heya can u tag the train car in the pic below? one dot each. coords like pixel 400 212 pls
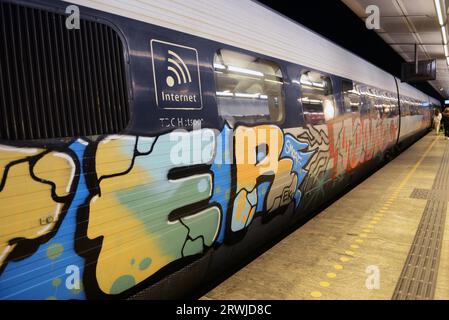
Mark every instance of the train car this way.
pixel 415 111
pixel 147 147
pixel 434 103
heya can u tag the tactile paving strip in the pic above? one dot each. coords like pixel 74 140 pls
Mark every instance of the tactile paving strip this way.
pixel 419 275
pixel 420 194
pixel 426 194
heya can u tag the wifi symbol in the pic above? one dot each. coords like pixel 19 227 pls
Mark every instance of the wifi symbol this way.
pixel 178 68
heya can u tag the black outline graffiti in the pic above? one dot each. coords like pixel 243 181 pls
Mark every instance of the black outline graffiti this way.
pixel 24 247
pixel 318 141
pixel 90 249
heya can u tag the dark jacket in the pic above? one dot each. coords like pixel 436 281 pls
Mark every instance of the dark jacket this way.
pixel 446 115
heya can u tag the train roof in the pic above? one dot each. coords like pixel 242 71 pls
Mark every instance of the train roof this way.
pixel 252 26
pixel 410 91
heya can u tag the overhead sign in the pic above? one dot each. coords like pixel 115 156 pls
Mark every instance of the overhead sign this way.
pixel 176 75
pixel 426 71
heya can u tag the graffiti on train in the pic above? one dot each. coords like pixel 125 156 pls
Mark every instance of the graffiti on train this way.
pixel 355 140
pixel 40 193
pixel 122 208
pixel 96 218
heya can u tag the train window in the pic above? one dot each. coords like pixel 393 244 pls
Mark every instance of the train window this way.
pixel 405 106
pixel 248 89
pixel 374 103
pixel 317 98
pixel 61 83
pixel 413 107
pixel 378 103
pixel 351 97
pixel 416 105
pixel 393 100
pixel 409 106
pixel 387 107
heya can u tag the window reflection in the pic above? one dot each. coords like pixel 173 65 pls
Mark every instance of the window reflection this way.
pixel 248 89
pixel 351 97
pixel 317 98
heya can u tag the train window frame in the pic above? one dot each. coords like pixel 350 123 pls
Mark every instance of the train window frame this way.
pixel 385 108
pixel 371 98
pixel 354 91
pixel 323 120
pixel 405 106
pixel 392 102
pixel 378 105
pixel 274 102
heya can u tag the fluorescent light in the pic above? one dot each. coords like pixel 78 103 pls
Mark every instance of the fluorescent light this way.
pixel 219 66
pixel 313 83
pixel 446 52
pixel 247 95
pixel 441 20
pixel 319 84
pixel 246 71
pixel 306 82
pixel 447 60
pixel 311 101
pixel 274 81
pixel 312 87
pixel 443 32
pixel 225 93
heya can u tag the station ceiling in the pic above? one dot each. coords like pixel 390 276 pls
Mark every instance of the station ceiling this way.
pixel 406 22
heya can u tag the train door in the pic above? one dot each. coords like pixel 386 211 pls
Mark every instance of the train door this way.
pixel 352 105
pixel 321 114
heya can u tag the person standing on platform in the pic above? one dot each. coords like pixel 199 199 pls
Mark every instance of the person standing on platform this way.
pixel 437 121
pixel 446 122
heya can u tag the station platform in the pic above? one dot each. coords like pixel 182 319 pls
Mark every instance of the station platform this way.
pixel 388 238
